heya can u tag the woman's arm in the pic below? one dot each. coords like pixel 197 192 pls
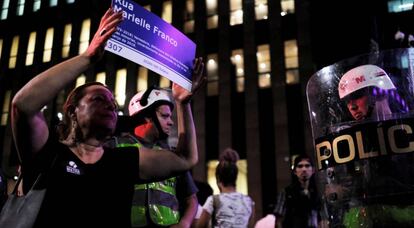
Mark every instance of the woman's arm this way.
pixel 29 127
pixel 186 156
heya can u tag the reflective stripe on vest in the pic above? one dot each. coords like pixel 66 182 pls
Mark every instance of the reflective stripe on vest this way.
pixel 161 198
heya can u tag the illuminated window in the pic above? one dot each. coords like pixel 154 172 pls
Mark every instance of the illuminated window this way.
pixel 236 12
pixel 70 1
pixel 212 17
pixel 120 86
pixel 147 7
pixel 165 82
pixel 31 49
pixel 263 65
pixel 291 62
pixel 241 182
pixel 189 16
pixel 20 7
pixel 260 9
pixel 5 9
pixel 167 11
pixel 36 5
pixel 6 108
pixel 238 60
pixel 47 51
pixel 84 36
pixel 53 3
pixel 67 37
pixel 80 80
pixel 288 6
pixel 101 77
pixel 142 82
pixel 13 52
pixel 212 75
pixel 397 6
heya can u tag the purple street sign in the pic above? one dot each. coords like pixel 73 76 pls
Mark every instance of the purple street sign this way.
pixel 146 39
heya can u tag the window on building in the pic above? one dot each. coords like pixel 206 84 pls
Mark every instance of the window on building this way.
pixel 5 9
pixel 238 61
pixel 212 17
pixel 212 75
pixel 36 5
pixel 263 66
pixel 260 9
pixel 147 7
pixel 13 52
pixel 67 38
pixel 189 16
pixel 53 3
pixel 241 182
pixel 47 51
pixel 6 108
pixel 84 36
pixel 397 6
pixel 167 11
pixel 142 82
pixel 165 82
pixel 120 86
pixel 288 6
pixel 20 7
pixel 236 12
pixel 291 62
pixel 70 1
pixel 101 77
pixel 31 49
pixel 80 80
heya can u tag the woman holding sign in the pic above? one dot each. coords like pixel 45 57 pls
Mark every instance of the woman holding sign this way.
pixel 79 171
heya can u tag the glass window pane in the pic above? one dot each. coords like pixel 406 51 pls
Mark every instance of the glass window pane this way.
pixel 80 80
pixel 6 108
pixel 261 9
pixel 164 82
pixel 5 9
pixel 288 6
pixel 36 5
pixel 13 52
pixel 238 61
pixel 101 77
pixel 47 51
pixel 265 80
pixel 291 54
pixel 67 38
pixel 189 16
pixel 84 36
pixel 120 87
pixel 52 3
pixel 142 82
pixel 292 76
pixel 212 22
pixel 236 12
pixel 167 11
pixel 31 48
pixel 20 7
pixel 212 75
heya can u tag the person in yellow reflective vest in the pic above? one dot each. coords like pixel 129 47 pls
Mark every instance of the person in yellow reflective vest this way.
pixel 171 202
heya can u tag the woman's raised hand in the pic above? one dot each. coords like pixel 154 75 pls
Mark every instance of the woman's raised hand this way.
pixel 198 80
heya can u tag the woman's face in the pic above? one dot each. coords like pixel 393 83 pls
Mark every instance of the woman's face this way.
pixel 96 112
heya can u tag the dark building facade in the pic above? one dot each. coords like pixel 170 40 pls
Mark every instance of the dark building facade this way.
pixel 259 56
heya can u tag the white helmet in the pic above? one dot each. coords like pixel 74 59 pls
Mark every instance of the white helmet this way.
pixel 155 95
pixel 362 77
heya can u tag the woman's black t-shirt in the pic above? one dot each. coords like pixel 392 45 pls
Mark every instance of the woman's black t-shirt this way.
pixel 84 195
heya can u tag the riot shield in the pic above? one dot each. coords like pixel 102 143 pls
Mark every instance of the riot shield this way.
pixel 362 117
